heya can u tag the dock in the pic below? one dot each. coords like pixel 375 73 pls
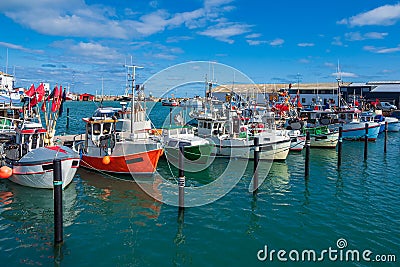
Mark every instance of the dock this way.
pixel 68 140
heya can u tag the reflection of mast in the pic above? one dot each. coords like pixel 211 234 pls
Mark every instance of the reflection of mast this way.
pixel 133 67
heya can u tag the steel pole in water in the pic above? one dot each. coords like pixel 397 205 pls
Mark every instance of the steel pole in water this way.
pixel 58 207
pixel 340 141
pixel 256 160
pixel 366 142
pixel 386 135
pixel 181 178
pixel 307 162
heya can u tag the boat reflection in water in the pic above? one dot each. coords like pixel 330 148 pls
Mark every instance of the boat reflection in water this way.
pixel 123 188
pixel 26 204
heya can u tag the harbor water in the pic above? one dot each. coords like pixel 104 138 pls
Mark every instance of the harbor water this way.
pixel 111 221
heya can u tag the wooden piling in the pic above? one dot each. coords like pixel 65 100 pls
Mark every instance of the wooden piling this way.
pixel 58 207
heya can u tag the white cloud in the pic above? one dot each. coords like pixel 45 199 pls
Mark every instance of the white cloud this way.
pixel 253 35
pixel 329 64
pixel 177 39
pixel 337 41
pixel 382 50
pixel 224 31
pixel 305 44
pixel 304 61
pixel 21 48
pixel 383 15
pixel 90 50
pixel 76 18
pixel 345 74
pixel 256 42
pixel 357 36
pixel 277 42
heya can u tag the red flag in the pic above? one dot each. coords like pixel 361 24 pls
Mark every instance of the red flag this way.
pixel 40 92
pixel 56 95
pixel 33 101
pixel 31 91
pixel 57 99
pixel 44 106
pixel 299 105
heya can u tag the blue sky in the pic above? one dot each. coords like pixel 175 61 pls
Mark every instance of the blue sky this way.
pixel 85 43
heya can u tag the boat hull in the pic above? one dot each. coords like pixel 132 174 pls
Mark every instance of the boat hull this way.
pixel 356 131
pixel 272 150
pixel 198 153
pixel 327 140
pixel 38 173
pixel 137 163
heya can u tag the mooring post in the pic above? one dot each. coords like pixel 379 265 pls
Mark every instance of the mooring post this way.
pixel 181 177
pixel 366 142
pixel 256 160
pixel 170 116
pixel 340 141
pixel 67 118
pixel 386 133
pixel 307 163
pixel 58 207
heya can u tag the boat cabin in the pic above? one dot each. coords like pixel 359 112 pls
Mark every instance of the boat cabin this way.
pixel 349 116
pixel 29 136
pixel 209 127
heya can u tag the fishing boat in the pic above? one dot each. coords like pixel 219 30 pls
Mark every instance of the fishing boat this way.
pixel 322 137
pixel 110 146
pixel 297 140
pixel 393 124
pixel 169 102
pixel 32 161
pixel 195 148
pixel 118 140
pixel 233 138
pixel 354 124
pixel 294 128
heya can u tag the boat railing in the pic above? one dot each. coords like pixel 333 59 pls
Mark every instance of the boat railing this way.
pixel 8 124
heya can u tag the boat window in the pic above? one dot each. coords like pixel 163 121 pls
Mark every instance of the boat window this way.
pixel 89 128
pixel 96 128
pixel 200 124
pixel 349 116
pixel 41 139
pixel 343 116
pixel 172 143
pixel 106 128
pixel 209 125
pixel 34 141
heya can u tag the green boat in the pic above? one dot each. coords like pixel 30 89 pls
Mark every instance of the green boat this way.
pixel 196 149
pixel 322 137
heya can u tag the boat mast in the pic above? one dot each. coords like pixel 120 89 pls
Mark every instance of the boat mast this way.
pixel 338 79
pixel 133 67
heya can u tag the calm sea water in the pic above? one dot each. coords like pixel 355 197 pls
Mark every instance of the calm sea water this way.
pixel 112 222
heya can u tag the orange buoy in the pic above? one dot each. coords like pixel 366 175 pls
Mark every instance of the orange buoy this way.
pixel 106 160
pixel 5 172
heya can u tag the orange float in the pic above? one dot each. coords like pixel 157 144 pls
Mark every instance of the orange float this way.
pixel 5 172
pixel 106 160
